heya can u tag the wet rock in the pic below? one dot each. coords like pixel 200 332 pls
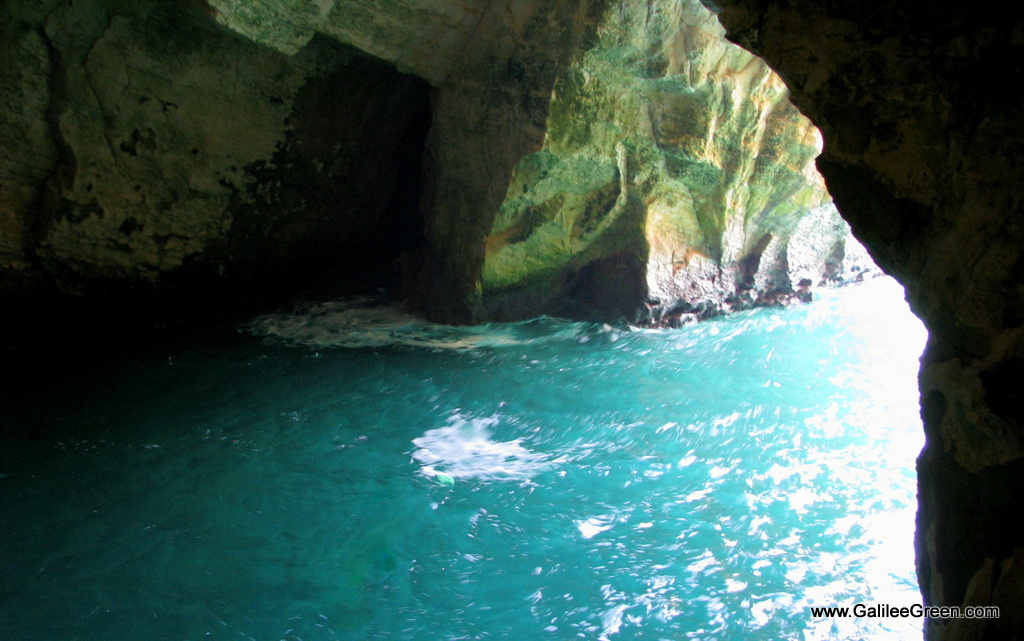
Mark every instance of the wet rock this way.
pixel 667 142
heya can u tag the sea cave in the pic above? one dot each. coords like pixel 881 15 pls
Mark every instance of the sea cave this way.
pixel 217 214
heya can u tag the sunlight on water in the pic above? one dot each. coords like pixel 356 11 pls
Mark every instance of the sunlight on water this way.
pixel 355 473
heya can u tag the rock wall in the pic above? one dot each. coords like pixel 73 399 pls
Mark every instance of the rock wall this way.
pixel 673 165
pixel 423 37
pixel 580 156
pixel 921 113
pixel 592 154
pixel 493 65
pixel 150 153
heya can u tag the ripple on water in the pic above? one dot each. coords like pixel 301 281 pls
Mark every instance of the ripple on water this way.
pixel 365 475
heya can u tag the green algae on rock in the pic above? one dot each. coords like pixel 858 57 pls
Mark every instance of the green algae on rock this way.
pixel 668 143
pixel 591 156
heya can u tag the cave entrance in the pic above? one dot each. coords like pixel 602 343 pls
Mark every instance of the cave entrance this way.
pixel 677 178
pixel 532 477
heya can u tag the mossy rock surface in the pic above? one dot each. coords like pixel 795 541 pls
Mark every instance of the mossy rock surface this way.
pixel 658 110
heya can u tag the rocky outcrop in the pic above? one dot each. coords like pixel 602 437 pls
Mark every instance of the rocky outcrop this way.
pixel 596 153
pixel 150 153
pixel 921 114
pixel 674 169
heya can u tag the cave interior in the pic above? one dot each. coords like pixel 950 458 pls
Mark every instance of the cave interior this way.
pixel 172 162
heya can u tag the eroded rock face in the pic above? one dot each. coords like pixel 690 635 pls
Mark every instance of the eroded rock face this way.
pixel 148 150
pixel 423 37
pixel 495 63
pixel 595 149
pixel 600 153
pixel 673 169
pixel 921 114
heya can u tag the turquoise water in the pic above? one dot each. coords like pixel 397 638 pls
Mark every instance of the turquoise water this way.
pixel 350 473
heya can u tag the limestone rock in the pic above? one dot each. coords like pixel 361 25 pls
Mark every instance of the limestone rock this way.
pixel 666 143
pixel 590 152
pixel 423 37
pixel 147 150
pixel 29 150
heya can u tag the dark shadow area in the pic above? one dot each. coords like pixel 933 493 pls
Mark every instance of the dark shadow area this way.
pixel 328 215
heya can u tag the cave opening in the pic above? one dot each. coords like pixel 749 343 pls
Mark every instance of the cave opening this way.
pixel 164 170
pixel 264 438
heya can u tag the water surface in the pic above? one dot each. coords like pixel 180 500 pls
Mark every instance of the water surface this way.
pixel 350 473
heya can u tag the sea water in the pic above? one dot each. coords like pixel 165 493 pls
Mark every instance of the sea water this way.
pixel 347 472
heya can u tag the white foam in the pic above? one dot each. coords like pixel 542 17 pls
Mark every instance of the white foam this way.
pixel 465 449
pixel 592 527
pixel 365 322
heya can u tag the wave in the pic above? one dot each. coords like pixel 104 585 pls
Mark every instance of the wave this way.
pixel 366 322
pixel 465 449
